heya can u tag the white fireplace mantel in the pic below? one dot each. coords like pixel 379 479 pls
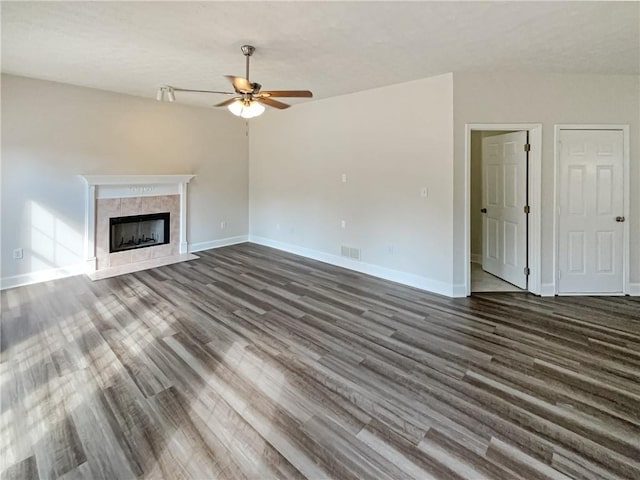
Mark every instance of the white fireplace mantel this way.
pixel 122 186
pixel 119 186
pixel 135 179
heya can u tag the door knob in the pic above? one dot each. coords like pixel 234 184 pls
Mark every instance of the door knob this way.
pixel 619 219
pixel 484 210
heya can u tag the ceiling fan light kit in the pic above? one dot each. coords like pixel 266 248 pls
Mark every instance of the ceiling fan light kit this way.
pixel 244 109
pixel 250 101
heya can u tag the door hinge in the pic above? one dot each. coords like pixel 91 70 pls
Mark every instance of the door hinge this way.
pixel 527 209
pixel 527 271
pixel 527 147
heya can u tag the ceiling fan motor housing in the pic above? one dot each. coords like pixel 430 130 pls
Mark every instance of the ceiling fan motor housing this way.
pixel 248 50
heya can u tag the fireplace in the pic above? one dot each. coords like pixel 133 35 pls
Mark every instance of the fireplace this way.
pixel 125 213
pixel 138 231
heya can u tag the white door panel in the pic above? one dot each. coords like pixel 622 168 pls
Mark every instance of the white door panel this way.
pixel 591 183
pixel 511 247
pixel 604 190
pixel 504 224
pixel 492 240
pixel 576 253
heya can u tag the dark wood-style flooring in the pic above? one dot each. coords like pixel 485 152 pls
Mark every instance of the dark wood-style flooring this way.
pixel 255 364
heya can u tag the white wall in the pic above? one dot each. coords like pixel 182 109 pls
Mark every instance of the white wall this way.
pixel 548 99
pixel 390 142
pixel 53 132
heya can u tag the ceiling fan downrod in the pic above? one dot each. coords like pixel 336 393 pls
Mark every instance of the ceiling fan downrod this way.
pixel 247 50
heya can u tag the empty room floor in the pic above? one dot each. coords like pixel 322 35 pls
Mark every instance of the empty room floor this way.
pixel 257 364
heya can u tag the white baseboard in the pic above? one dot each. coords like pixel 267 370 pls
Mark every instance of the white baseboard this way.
pixel 459 290
pixel 404 278
pixel 634 289
pixel 547 290
pixel 223 242
pixel 476 258
pixel 42 276
pixel 55 273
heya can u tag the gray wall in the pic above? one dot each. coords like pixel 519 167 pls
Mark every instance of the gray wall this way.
pixel 53 132
pixel 549 99
pixel 390 145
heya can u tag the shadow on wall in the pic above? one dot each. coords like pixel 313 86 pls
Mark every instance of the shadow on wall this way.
pixel 52 242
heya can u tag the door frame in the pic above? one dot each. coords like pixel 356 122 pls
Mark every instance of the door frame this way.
pixel 535 199
pixel 626 185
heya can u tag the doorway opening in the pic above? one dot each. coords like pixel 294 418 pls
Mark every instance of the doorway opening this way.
pixel 503 185
pixel 499 169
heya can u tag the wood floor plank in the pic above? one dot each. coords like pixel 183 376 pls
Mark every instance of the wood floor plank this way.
pixel 252 363
pixel 26 469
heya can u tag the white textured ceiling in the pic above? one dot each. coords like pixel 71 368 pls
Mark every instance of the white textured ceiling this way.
pixel 331 48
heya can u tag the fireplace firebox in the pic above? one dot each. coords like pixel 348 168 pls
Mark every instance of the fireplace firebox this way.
pixel 138 231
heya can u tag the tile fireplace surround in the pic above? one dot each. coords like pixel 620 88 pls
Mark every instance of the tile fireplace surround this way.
pixel 111 196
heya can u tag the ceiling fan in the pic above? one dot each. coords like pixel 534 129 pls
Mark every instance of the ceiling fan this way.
pixel 250 99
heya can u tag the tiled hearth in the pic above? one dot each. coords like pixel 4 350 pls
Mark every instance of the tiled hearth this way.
pixel 110 196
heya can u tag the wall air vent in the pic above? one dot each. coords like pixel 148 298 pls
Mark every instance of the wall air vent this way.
pixel 350 252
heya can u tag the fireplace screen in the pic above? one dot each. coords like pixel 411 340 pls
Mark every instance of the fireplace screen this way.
pixel 138 231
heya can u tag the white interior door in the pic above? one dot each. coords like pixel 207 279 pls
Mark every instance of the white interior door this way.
pixel 591 209
pixel 504 192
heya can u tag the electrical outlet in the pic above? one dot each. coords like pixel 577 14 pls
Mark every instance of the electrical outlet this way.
pixel 18 254
pixel 223 225
pixel 344 178
pixel 424 192
pixel 343 224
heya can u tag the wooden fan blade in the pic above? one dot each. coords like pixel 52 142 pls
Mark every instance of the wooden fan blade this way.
pixel 273 103
pixel 287 93
pixel 226 102
pixel 241 85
